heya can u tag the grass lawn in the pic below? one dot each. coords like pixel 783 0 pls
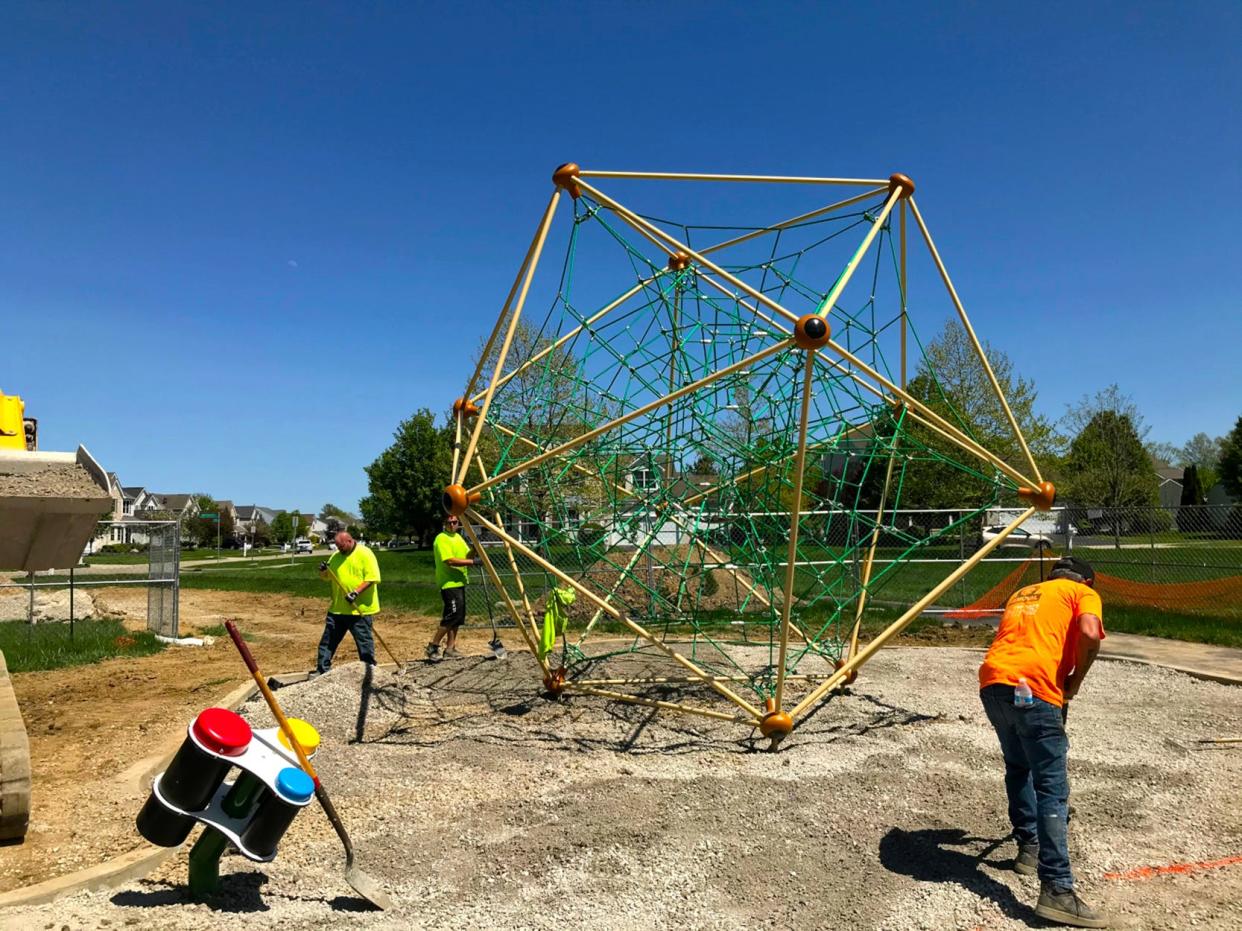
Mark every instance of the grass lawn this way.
pixel 187 555
pixel 409 584
pixel 28 648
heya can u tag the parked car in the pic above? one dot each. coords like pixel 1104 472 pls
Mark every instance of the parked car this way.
pixel 1021 537
pixel 303 546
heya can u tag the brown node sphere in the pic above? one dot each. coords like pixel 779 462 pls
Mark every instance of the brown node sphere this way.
pixel 678 261
pixel 903 182
pixel 469 407
pixel 851 676
pixel 564 178
pixel 811 332
pixel 554 681
pixel 456 499
pixel 1042 497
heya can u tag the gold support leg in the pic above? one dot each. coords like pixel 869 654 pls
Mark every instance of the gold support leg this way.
pixel 794 522
pixel 902 622
pixel 540 238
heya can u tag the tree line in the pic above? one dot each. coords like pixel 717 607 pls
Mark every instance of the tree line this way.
pixel 1098 453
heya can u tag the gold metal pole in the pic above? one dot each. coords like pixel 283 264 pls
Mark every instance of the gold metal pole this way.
pixel 974 341
pixel 675 245
pixel 902 622
pixel 794 521
pixel 517 572
pixel 904 320
pixel 540 238
pixel 595 599
pixel 594 318
pixel 500 319
pixel 875 539
pixel 457 418
pixel 831 300
pixel 683 176
pixel 692 680
pixel 917 407
pixel 654 703
pixel 491 570
pixel 793 221
pixel 637 412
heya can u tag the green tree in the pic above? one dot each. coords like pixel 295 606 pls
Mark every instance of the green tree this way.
pixel 282 530
pixel 406 481
pixel 1108 467
pixel 951 381
pixel 1231 460
pixel 203 529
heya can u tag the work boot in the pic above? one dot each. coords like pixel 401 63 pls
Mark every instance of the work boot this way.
pixel 1064 906
pixel 433 652
pixel 1026 863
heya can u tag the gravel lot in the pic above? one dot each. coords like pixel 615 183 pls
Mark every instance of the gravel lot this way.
pixel 480 805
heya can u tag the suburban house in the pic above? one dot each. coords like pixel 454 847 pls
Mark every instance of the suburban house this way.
pixel 248 516
pixel 1170 483
pixel 178 507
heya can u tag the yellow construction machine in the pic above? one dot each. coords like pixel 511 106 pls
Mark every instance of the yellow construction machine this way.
pixel 49 502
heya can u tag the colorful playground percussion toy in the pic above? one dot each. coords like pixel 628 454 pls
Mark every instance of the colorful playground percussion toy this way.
pixel 251 813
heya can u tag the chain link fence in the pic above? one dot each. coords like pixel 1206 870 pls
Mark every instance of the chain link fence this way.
pixel 125 560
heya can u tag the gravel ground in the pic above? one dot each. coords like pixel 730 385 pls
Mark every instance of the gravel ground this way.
pixel 480 805
pixel 54 481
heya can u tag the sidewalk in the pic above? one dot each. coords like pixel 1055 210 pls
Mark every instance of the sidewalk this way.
pixel 1220 664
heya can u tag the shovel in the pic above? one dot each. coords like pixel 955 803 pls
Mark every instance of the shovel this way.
pixel 497 648
pixel 362 884
pixel 392 656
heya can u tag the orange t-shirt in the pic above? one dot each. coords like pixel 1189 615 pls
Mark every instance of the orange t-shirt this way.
pixel 1038 637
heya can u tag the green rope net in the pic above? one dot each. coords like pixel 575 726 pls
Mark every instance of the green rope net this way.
pixel 679 518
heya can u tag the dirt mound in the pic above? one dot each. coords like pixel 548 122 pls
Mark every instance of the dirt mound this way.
pixel 53 481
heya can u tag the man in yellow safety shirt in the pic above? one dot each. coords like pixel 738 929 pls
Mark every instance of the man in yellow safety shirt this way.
pixel 355 600
pixel 452 555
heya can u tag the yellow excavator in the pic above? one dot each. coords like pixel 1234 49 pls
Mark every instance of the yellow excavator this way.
pixel 49 502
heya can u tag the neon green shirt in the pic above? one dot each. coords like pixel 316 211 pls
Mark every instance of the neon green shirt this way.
pixel 450 546
pixel 352 570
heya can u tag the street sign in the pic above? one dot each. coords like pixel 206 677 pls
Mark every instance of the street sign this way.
pixel 209 515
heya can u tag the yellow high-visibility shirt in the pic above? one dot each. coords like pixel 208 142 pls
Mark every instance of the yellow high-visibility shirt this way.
pixel 450 546
pixel 352 570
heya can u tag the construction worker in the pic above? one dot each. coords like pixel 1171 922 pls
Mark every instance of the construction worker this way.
pixel 452 555
pixel 1046 643
pixel 354 575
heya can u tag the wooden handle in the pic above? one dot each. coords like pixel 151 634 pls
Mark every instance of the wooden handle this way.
pixel 248 659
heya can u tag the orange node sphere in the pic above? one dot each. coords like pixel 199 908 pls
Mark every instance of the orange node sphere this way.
pixel 1042 497
pixel 901 181
pixel 456 499
pixel 850 676
pixel 811 332
pixel 776 725
pixel 554 681
pixel 564 178
pixel 471 409
pixel 678 261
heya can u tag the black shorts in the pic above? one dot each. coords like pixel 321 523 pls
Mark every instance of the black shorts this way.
pixel 454 606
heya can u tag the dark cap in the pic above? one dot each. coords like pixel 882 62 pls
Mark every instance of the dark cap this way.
pixel 1073 568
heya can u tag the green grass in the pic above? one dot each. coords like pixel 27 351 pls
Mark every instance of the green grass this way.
pixel 187 555
pixel 409 584
pixel 28 648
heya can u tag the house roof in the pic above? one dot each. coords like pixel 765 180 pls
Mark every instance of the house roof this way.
pixel 132 491
pixel 173 502
pixel 1170 474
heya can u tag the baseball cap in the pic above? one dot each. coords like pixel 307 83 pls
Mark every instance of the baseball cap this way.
pixel 1070 566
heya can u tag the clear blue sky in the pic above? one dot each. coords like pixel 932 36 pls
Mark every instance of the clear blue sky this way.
pixel 239 242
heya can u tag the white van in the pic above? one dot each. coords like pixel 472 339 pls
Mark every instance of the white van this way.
pixel 302 546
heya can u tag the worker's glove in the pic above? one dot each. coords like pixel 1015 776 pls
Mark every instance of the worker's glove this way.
pixel 351 597
pixel 323 567
pixel 476 561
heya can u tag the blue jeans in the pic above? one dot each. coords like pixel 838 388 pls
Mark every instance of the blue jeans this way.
pixel 1034 746
pixel 334 629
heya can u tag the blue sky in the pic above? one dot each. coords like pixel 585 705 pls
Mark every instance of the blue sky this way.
pixel 239 242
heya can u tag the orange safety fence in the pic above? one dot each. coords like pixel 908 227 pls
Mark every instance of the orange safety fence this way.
pixel 1209 594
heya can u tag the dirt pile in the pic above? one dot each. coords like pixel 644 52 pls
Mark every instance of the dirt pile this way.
pixel 481 805
pixel 53 481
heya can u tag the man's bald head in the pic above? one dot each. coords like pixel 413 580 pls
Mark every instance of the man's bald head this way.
pixel 345 543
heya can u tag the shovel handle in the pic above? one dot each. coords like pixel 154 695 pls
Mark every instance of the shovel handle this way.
pixel 274 705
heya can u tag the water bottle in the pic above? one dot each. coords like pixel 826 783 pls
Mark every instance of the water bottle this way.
pixel 1023 697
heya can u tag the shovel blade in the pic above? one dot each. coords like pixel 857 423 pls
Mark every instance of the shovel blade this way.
pixel 368 888
pixel 497 648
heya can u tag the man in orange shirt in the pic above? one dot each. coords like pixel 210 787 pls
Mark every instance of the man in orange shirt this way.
pixel 1047 641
